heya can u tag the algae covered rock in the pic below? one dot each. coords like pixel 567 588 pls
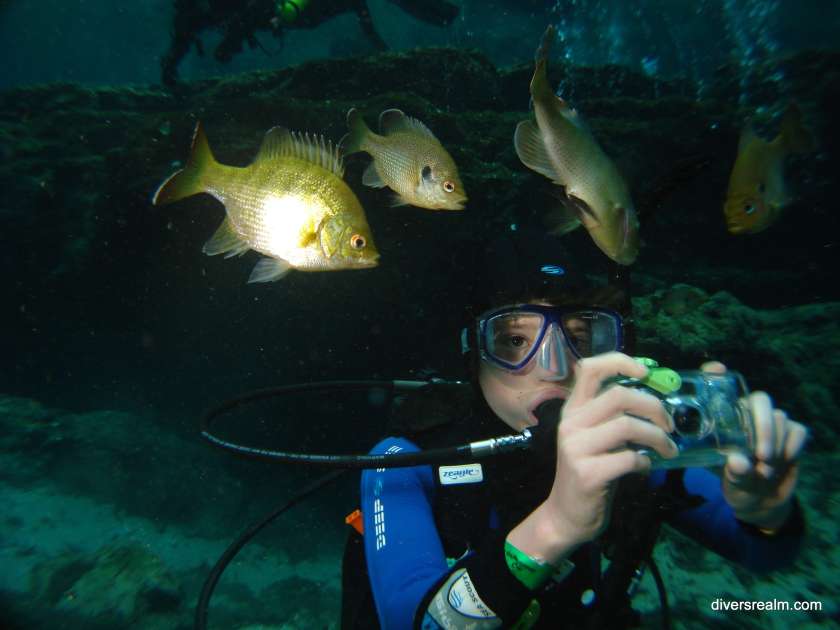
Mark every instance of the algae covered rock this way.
pixel 118 584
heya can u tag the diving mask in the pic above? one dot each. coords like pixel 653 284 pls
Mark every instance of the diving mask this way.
pixel 512 336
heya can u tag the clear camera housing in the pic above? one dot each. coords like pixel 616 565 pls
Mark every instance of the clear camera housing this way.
pixel 711 420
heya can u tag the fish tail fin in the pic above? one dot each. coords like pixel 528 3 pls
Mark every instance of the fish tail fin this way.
pixel 191 179
pixel 795 136
pixel 356 138
pixel 540 88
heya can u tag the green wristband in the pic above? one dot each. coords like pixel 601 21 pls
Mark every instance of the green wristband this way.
pixel 532 573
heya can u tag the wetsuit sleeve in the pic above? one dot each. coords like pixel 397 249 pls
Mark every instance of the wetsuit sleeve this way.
pixel 713 524
pixel 405 557
pixel 411 581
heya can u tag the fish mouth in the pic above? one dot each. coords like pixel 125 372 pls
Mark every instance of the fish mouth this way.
pixel 734 228
pixel 453 203
pixel 539 402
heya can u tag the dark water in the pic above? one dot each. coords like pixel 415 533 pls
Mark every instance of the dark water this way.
pixel 117 332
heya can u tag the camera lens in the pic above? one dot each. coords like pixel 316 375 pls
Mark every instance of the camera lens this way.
pixel 687 420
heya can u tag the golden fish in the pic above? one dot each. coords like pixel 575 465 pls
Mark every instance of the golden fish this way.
pixel 291 204
pixel 408 159
pixel 560 147
pixel 757 191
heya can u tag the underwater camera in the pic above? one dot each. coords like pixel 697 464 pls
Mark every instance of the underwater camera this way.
pixel 710 416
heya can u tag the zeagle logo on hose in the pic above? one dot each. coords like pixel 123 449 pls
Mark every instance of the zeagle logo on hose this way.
pixel 467 473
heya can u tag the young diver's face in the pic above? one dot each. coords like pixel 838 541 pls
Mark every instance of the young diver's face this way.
pixel 514 395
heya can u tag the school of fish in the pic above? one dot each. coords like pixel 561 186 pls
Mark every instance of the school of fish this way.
pixel 292 205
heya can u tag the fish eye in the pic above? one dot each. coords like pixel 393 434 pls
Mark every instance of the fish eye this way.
pixel 749 208
pixel 426 173
pixel 357 241
pixel 449 186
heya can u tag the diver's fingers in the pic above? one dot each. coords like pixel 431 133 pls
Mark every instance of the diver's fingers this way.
pixel 614 402
pixel 788 482
pixel 619 432
pixel 713 367
pixel 765 428
pixel 797 433
pixel 590 374
pixel 780 429
pixel 611 466
pixel 737 465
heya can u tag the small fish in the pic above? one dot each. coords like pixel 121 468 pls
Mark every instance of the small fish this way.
pixel 290 204
pixel 757 191
pixel 559 146
pixel 408 159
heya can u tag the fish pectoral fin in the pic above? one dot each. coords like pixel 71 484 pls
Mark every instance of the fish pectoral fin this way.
pixel 585 212
pixel 226 241
pixel 372 178
pixel 531 149
pixel 399 200
pixel 562 220
pixel 269 270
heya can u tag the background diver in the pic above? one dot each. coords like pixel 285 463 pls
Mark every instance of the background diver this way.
pixel 239 21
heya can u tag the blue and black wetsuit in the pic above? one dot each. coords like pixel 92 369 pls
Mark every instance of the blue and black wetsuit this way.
pixel 434 536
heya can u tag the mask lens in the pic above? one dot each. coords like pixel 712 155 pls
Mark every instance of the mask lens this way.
pixel 511 337
pixel 591 332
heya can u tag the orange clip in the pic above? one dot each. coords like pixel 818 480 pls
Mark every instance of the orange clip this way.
pixel 354 519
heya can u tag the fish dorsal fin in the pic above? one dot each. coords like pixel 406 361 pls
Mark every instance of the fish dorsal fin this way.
pixel 392 120
pixel 531 150
pixel 280 142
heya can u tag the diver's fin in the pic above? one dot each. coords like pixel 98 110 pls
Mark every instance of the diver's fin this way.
pixel 226 241
pixel 371 177
pixel 269 269
pixel 392 120
pixel 190 180
pixel 530 148
pixel 354 140
pixel 280 142
pixel 794 136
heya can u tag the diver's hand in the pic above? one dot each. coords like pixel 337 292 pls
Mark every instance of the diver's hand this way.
pixel 760 490
pixel 596 428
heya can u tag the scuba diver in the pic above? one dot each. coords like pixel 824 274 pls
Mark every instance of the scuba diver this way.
pixel 518 539
pixel 239 20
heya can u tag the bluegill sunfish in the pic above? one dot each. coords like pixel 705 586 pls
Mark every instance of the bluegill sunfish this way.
pixel 290 204
pixel 408 159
